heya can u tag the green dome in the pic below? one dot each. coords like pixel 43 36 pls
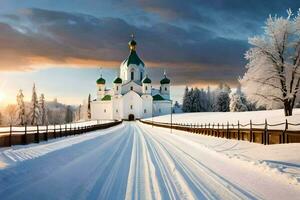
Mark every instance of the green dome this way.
pixel 133 58
pixel 146 80
pixel 165 80
pixel 101 81
pixel 118 80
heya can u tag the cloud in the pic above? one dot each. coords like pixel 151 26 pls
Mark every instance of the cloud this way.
pixel 35 37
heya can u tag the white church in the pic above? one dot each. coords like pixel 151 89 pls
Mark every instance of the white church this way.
pixel 132 96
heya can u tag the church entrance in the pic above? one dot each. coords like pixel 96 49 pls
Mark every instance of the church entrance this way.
pixel 131 117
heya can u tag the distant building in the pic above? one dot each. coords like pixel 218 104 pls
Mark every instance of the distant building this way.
pixel 132 96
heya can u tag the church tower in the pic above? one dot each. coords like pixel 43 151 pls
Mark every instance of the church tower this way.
pixel 132 68
pixel 100 87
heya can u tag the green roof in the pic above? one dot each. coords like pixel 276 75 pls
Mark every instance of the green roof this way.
pixel 118 80
pixel 101 81
pixel 106 98
pixel 157 97
pixel 133 58
pixel 146 80
pixel 165 80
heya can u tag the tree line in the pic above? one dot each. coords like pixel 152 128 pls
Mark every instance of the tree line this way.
pixel 36 112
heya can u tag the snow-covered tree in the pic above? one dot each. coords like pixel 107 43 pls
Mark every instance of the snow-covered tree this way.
pixel 89 107
pixel 238 102
pixel 21 115
pixel 273 69
pixel 43 110
pixel 10 112
pixel 69 114
pixel 185 100
pixel 34 109
pixel 222 99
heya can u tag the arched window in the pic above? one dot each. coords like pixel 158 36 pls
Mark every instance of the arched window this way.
pixel 132 75
pixel 166 89
pixel 145 110
pixel 117 88
pixel 131 88
pixel 131 107
pixel 146 88
pixel 105 110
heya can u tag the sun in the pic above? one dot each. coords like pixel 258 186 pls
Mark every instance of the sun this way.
pixel 2 96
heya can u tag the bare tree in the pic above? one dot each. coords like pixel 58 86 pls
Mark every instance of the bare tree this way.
pixel 273 69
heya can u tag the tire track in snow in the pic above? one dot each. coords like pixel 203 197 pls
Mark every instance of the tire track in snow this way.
pixel 208 184
pixel 171 182
pixel 142 182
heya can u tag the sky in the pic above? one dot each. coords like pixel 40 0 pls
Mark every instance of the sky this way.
pixel 61 46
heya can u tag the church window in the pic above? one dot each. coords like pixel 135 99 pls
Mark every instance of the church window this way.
pixel 117 88
pixel 105 110
pixel 116 110
pixel 145 110
pixel 159 110
pixel 166 89
pixel 131 107
pixel 146 88
pixel 131 88
pixel 132 75
pixel 99 89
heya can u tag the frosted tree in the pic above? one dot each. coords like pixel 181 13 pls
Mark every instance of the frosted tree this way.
pixel 222 99
pixel 89 107
pixel 21 115
pixel 69 114
pixel 34 108
pixel 238 102
pixel 273 69
pixel 10 112
pixel 43 110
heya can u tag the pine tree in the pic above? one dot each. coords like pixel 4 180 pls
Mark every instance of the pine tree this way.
pixel 89 107
pixel 21 115
pixel 222 100
pixel 185 100
pixel 43 110
pixel 34 110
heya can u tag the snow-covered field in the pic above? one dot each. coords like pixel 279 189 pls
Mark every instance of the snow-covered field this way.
pixel 137 161
pixel 257 117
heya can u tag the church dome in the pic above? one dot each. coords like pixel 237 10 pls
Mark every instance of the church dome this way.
pixel 118 80
pixel 165 80
pixel 146 80
pixel 101 81
pixel 133 58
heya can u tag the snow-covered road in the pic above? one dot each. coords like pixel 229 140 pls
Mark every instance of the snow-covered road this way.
pixel 135 161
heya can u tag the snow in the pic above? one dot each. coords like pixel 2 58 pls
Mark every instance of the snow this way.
pixel 138 161
pixel 257 117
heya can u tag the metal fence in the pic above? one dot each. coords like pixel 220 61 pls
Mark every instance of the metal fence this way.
pixel 15 135
pixel 263 133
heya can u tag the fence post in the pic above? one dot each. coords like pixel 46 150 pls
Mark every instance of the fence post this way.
pixel 54 131
pixel 37 134
pixel 10 135
pixel 46 136
pixel 227 132
pixel 25 135
pixel 238 129
pixel 251 133
pixel 266 133
pixel 284 134
pixel 218 130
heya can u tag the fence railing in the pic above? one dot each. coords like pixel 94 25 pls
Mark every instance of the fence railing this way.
pixel 263 133
pixel 15 135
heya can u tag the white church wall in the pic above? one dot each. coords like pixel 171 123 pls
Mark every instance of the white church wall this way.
pixel 126 72
pixel 147 106
pixel 132 104
pixel 161 107
pixel 101 110
pixel 117 107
